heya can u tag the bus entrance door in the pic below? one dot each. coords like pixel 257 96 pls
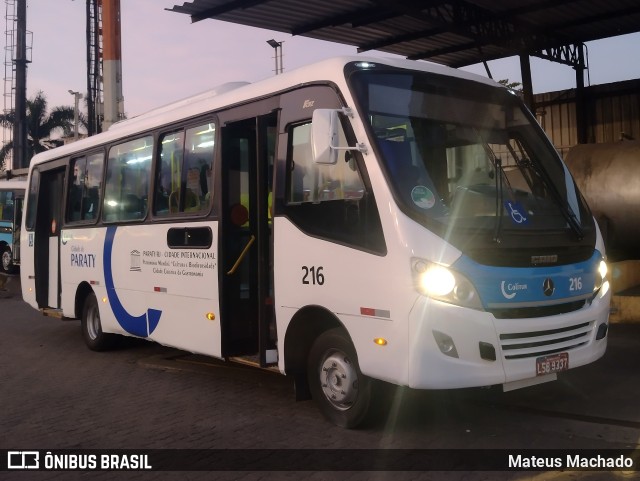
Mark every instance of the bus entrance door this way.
pixel 47 235
pixel 247 312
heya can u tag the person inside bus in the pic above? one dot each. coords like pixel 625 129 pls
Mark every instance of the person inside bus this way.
pixel 205 174
pixel 163 189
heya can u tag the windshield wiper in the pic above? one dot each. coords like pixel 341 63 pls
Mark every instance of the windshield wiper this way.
pixel 497 162
pixel 500 177
pixel 543 175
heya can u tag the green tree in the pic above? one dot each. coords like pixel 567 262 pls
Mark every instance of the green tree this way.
pixel 44 128
pixel 517 86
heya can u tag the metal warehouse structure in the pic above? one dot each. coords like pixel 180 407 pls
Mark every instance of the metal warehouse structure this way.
pixel 451 32
pixel 612 114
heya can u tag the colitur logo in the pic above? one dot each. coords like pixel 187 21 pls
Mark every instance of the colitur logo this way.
pixel 509 290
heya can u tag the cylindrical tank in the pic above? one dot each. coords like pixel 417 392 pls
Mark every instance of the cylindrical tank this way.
pixel 608 175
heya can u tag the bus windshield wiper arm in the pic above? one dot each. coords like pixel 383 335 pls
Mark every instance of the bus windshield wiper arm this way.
pixel 565 208
pixel 499 197
pixel 574 223
pixel 499 172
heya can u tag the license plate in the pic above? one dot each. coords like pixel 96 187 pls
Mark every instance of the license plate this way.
pixel 550 364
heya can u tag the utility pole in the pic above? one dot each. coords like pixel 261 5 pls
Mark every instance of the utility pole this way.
pixel 20 160
pixel 94 67
pixel 112 63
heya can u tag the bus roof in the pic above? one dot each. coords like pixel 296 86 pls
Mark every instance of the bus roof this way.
pixel 235 92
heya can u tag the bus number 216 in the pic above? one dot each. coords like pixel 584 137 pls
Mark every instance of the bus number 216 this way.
pixel 312 275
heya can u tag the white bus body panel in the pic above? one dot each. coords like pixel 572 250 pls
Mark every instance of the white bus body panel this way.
pixel 53 271
pixel 27 268
pixel 181 284
pixel 353 280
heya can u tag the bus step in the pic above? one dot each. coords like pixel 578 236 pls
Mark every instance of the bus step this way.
pixel 51 312
pixel 254 361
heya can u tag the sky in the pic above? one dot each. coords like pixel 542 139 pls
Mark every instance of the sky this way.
pixel 166 58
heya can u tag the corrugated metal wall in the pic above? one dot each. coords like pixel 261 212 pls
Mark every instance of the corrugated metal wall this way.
pixel 614 114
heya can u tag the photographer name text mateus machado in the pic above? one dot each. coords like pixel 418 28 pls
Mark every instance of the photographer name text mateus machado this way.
pixel 569 461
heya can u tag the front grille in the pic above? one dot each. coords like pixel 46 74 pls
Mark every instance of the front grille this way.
pixel 537 311
pixel 520 255
pixel 522 345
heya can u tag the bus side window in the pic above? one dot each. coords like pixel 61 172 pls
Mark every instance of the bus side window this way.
pixel 6 205
pixel 169 173
pixel 330 201
pixel 198 166
pixel 74 201
pixel 85 188
pixel 127 180
pixel 184 181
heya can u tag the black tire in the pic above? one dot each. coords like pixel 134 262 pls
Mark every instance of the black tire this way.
pixel 6 261
pixel 337 385
pixel 94 338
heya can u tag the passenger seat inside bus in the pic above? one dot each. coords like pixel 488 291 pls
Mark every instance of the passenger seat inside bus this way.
pixel 191 203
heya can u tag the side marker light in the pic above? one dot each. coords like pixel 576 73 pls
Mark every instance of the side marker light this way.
pixel 380 341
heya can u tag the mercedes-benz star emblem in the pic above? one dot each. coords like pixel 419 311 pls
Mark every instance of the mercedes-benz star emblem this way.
pixel 547 287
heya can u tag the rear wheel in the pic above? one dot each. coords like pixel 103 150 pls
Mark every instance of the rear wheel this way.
pixel 340 390
pixel 94 338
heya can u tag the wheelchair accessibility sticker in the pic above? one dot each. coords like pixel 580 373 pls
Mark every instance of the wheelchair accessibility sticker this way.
pixel 516 212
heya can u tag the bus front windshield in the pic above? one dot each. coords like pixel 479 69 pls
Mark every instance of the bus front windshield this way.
pixel 464 157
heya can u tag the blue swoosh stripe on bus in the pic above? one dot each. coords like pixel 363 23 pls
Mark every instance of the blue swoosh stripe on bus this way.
pixel 141 326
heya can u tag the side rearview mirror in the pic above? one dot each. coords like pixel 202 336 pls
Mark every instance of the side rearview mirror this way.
pixel 325 136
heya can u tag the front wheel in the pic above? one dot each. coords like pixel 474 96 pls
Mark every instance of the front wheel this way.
pixel 94 338
pixel 340 390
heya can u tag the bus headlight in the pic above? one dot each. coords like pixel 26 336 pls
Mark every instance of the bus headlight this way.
pixel 444 284
pixel 601 279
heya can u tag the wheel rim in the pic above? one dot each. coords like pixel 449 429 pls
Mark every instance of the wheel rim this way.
pixel 6 260
pixel 93 322
pixel 339 379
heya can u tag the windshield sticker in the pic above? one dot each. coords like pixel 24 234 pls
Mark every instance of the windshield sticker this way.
pixel 423 197
pixel 516 212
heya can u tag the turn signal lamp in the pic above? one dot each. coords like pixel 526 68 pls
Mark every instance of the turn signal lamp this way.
pixel 380 341
pixel 211 316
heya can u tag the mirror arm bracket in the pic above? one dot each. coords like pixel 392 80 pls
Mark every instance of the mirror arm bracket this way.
pixel 360 147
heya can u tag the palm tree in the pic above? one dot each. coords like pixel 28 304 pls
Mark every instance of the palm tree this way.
pixel 41 126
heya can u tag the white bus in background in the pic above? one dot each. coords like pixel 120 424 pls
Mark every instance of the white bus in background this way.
pixel 350 222
pixel 11 198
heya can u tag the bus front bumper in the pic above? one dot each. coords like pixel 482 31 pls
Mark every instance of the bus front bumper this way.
pixel 454 347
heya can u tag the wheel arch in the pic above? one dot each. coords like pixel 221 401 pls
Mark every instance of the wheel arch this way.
pixel 304 328
pixel 84 289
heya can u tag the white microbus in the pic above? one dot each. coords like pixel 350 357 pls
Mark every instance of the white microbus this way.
pixel 11 199
pixel 351 221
